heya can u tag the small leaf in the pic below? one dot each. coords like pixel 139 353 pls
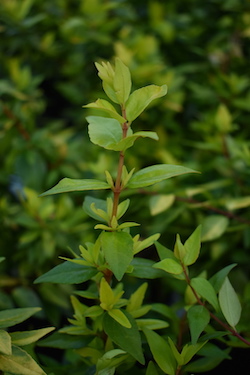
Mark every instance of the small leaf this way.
pixel 156 173
pixel 152 324
pixel 190 350
pixel 128 339
pixel 161 351
pixel 192 247
pixel 120 317
pixel 68 185
pixel 205 290
pixel 229 303
pixel 26 338
pixel 160 203
pixel 141 98
pixel 118 251
pixel 198 319
pixel 5 343
pixel 143 269
pixel 169 265
pixel 218 279
pixel 213 227
pixel 105 106
pixel 122 81
pixel 223 119
pixel 67 273
pixel 11 317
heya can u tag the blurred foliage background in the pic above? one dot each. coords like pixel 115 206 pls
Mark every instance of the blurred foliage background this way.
pixel 201 50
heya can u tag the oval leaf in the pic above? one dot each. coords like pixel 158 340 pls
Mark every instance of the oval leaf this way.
pixel 229 303
pixel 156 173
pixel 205 290
pixel 213 227
pixel 198 319
pixel 11 317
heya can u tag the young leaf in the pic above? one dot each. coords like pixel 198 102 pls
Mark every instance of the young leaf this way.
pixel 28 337
pixel 161 351
pixel 229 303
pixel 128 339
pixel 120 317
pixel 192 247
pixel 198 319
pixel 68 185
pixel 143 269
pixel 122 81
pixel 156 173
pixel 105 106
pixel 5 343
pixel 67 273
pixel 11 317
pixel 190 350
pixel 19 362
pixel 104 132
pixel 169 265
pixel 118 251
pixel 107 364
pixel 141 98
pixel 205 289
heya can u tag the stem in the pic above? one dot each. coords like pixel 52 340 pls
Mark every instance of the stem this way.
pixel 224 325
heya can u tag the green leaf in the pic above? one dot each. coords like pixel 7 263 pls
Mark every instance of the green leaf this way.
pixel 192 247
pixel 213 357
pixel 213 227
pixel 99 204
pixel 107 364
pixel 118 251
pixel 68 185
pixel 169 265
pixel 143 269
pixel 26 338
pixel 205 290
pixel 156 173
pixel 128 339
pixel 5 343
pixel 190 350
pixel 151 369
pixel 67 273
pixel 120 317
pixel 11 317
pixel 198 319
pixel 218 279
pixel 105 106
pixel 152 324
pixel 19 363
pixel 161 351
pixel 122 81
pixel 141 98
pixel 104 132
pixel 128 142
pixel 229 303
pixel 160 203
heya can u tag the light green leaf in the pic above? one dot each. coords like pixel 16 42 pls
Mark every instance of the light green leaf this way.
pixel 128 142
pixel 118 251
pixel 160 203
pixel 107 364
pixel 122 81
pixel 141 245
pixel 198 319
pixel 5 343
pixel 223 119
pixel 120 317
pixel 26 338
pixel 190 350
pixel 99 204
pixel 218 279
pixel 104 132
pixel 19 363
pixel 105 106
pixel 156 173
pixel 161 351
pixel 141 98
pixel 11 317
pixel 67 273
pixel 229 303
pixel 192 247
pixel 128 339
pixel 68 185
pixel 151 369
pixel 205 290
pixel 136 299
pixel 169 265
pixel 152 324
pixel 238 203
pixel 213 227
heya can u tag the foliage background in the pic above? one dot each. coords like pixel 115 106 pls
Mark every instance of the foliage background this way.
pixel 201 51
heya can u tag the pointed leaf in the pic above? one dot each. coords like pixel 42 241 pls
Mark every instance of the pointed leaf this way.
pixel 213 227
pixel 104 132
pixel 128 339
pixel 122 81
pixel 120 317
pixel 105 106
pixel 68 185
pixel 5 343
pixel 141 98
pixel 19 363
pixel 26 338
pixel 151 369
pixel 161 351
pixel 169 265
pixel 192 246
pixel 67 273
pixel 198 319
pixel 156 173
pixel 128 142
pixel 205 290
pixel 143 269
pixel 118 251
pixel 190 350
pixel 229 303
pixel 11 317
pixel 218 279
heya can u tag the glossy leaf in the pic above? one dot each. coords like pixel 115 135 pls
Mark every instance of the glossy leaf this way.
pixel 229 303
pixel 156 173
pixel 118 251
pixel 11 317
pixel 5 343
pixel 205 290
pixel 198 319
pixel 141 98
pixel 67 185
pixel 67 273
pixel 161 351
pixel 19 362
pixel 127 339
pixel 28 337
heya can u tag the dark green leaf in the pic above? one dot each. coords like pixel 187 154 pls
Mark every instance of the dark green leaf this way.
pixel 143 269
pixel 11 317
pixel 198 319
pixel 67 273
